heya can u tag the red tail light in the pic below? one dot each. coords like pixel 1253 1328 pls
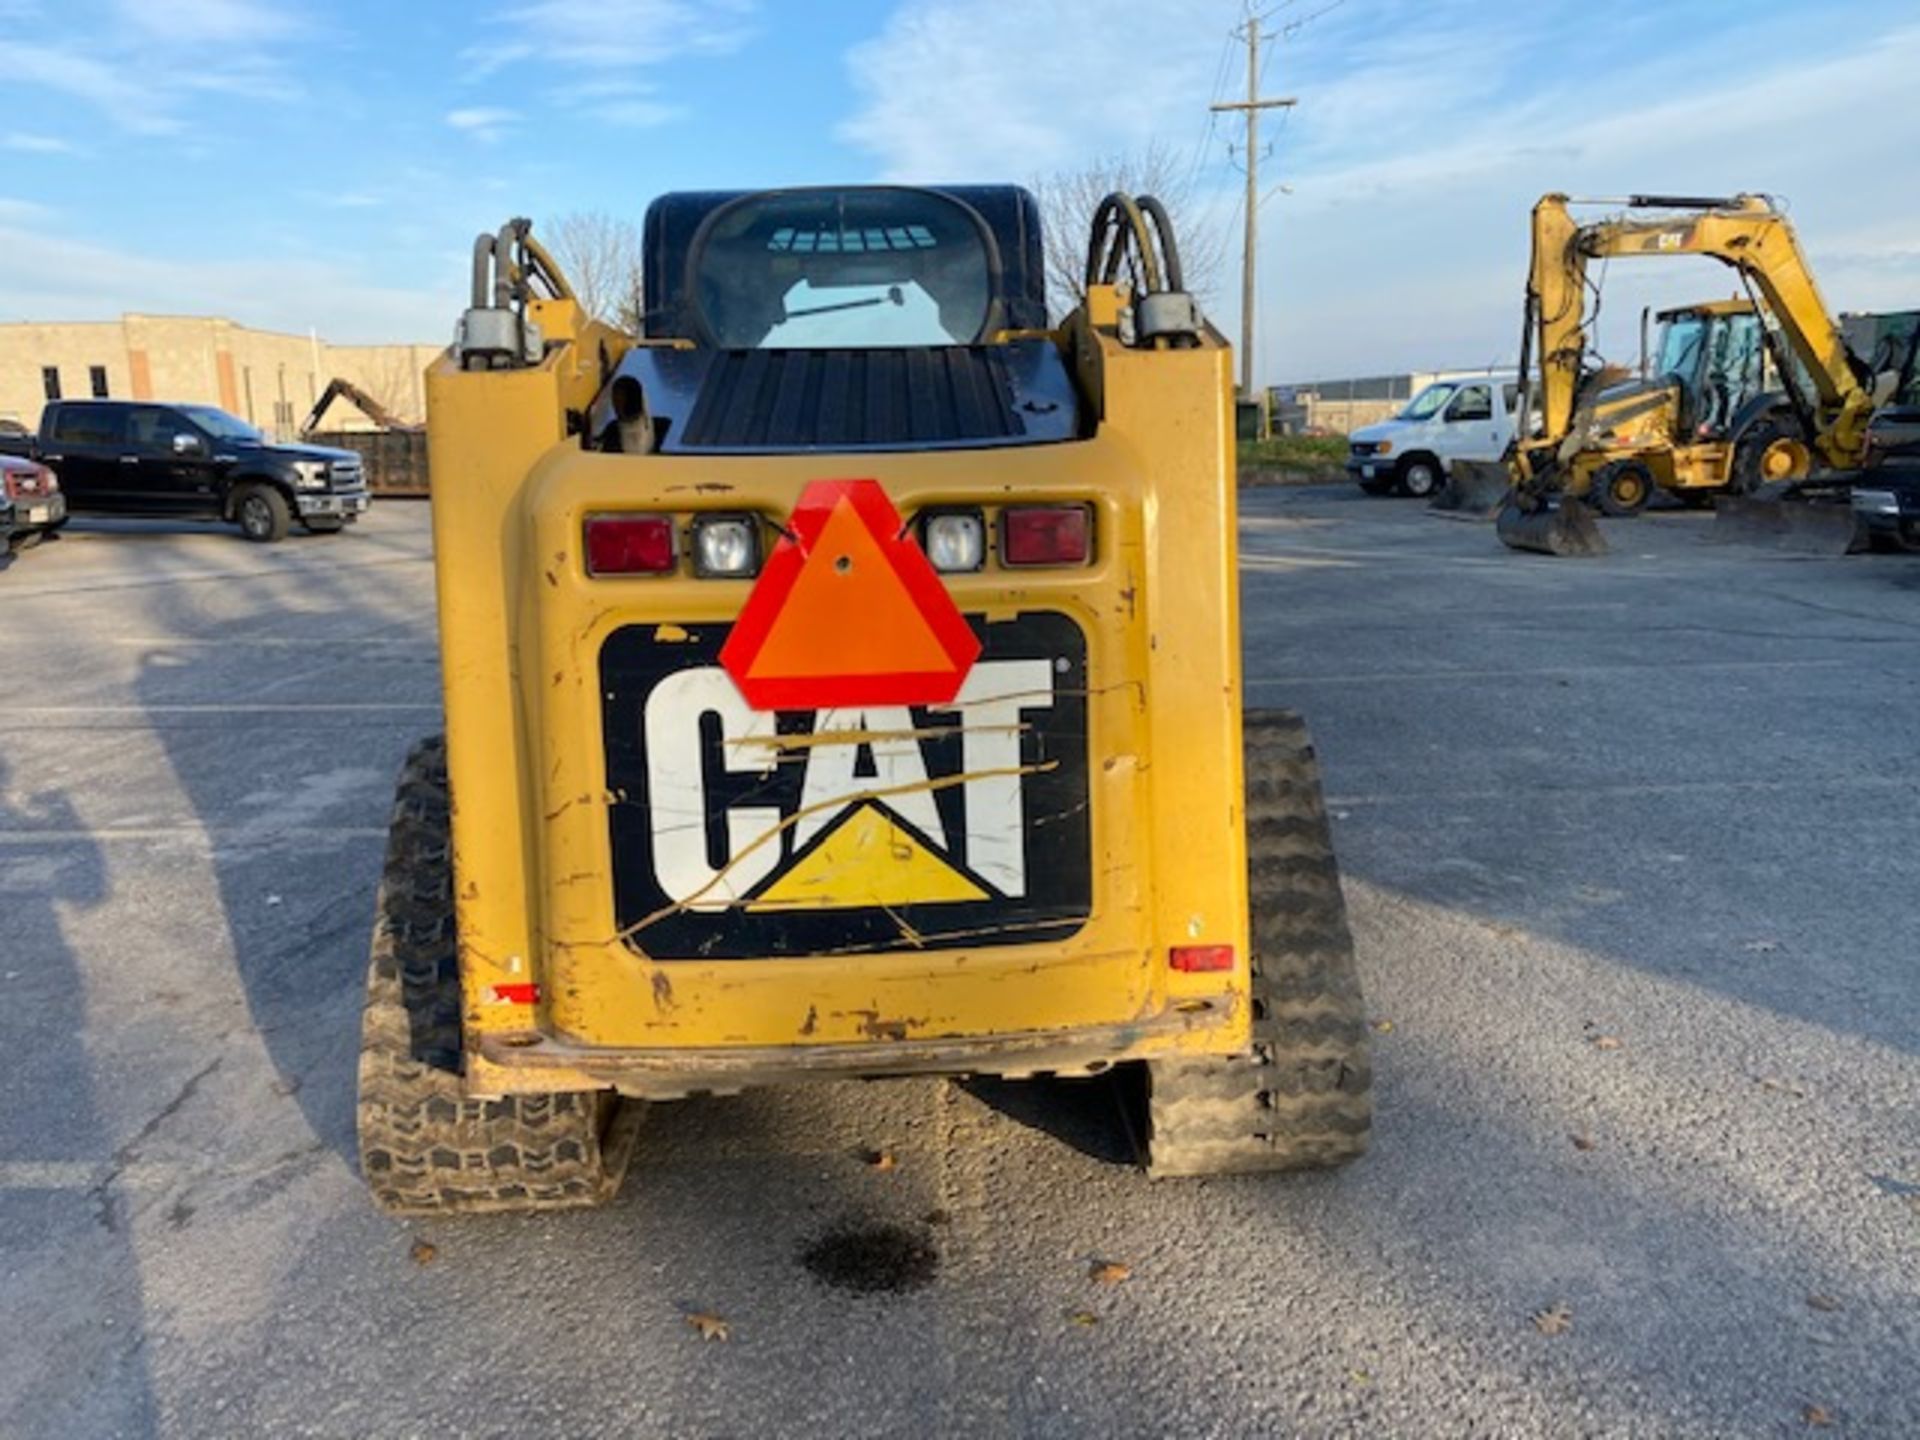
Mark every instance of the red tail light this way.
pixel 1045 535
pixel 1198 959
pixel 630 545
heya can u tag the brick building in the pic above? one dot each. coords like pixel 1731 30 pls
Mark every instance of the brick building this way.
pixel 269 379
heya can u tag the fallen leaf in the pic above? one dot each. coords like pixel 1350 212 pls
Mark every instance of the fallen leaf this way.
pixel 423 1252
pixel 1825 1303
pixel 1607 1042
pixel 711 1327
pixel 1360 1377
pixel 1556 1320
pixel 1817 1415
pixel 1082 1318
pixel 1581 1142
pixel 1383 1026
pixel 1108 1272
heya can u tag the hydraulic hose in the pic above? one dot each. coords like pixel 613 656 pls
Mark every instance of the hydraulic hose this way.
pixel 1107 244
pixel 1169 246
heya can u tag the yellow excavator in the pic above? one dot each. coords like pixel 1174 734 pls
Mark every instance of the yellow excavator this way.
pixel 1702 424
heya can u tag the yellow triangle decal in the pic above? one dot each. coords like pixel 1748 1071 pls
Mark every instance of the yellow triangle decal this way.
pixel 867 860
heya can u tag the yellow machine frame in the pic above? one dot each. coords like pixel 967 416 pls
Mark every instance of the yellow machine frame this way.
pixel 1746 233
pixel 522 622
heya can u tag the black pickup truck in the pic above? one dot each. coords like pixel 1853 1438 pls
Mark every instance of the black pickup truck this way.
pixel 1886 494
pixel 125 457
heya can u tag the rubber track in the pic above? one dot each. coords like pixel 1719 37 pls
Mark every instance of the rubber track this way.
pixel 425 1148
pixel 1302 1099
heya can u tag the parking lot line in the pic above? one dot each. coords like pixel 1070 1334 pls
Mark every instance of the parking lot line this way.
pixel 318 707
pixel 29 839
pixel 1401 677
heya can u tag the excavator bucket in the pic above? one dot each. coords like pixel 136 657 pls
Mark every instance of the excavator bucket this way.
pixel 1551 525
pixel 1791 524
pixel 1475 489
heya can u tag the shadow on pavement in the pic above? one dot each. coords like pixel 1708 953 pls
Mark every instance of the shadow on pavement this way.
pixel 295 801
pixel 71 1282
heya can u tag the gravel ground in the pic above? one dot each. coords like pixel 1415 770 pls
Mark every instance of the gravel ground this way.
pixel 1629 846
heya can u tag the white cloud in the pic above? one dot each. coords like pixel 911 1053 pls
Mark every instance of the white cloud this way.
pixel 638 113
pixel 1424 134
pixel 611 34
pixel 180 23
pixel 950 85
pixel 483 122
pixel 52 276
pixel 25 143
pixel 23 212
pixel 120 95
pixel 341 200
pixel 151 57
pixel 1413 255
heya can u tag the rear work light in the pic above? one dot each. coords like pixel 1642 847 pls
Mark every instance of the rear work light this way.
pixel 1200 959
pixel 1046 535
pixel 631 545
pixel 726 546
pixel 955 540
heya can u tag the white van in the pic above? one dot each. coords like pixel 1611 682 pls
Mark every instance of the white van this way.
pixel 1451 419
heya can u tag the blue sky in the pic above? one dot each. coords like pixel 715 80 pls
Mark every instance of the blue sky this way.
pixel 294 163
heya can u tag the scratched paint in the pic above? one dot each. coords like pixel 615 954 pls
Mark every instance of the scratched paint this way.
pixel 761 833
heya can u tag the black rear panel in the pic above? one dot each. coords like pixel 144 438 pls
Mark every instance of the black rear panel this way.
pixel 835 399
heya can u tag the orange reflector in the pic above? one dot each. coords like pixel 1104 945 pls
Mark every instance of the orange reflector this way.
pixel 528 994
pixel 1197 959
pixel 848 612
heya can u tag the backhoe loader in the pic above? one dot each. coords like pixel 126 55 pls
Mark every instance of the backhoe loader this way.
pixel 842 678
pixel 1704 424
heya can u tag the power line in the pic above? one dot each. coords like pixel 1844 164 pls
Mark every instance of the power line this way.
pixel 1251 34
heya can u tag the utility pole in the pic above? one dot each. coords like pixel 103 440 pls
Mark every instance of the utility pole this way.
pixel 1252 106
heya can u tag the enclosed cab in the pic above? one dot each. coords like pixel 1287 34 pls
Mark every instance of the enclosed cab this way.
pixel 843 678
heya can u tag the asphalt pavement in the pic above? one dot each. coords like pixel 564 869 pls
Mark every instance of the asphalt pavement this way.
pixel 1630 846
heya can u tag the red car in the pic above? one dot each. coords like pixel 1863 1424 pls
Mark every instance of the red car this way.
pixel 34 492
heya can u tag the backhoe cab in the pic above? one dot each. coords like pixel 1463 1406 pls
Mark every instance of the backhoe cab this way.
pixel 1709 376
pixel 842 678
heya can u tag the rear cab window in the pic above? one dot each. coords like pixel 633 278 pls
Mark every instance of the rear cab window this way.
pixel 89 425
pixel 844 269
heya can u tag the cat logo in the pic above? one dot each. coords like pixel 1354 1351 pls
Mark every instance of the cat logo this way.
pixel 740 832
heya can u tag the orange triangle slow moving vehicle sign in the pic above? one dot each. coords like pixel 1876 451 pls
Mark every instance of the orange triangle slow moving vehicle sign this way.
pixel 848 612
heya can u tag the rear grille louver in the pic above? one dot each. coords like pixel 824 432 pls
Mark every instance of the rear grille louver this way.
pixel 832 399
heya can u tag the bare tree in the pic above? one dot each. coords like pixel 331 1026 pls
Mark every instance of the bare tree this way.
pixel 389 379
pixel 1068 199
pixel 602 256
